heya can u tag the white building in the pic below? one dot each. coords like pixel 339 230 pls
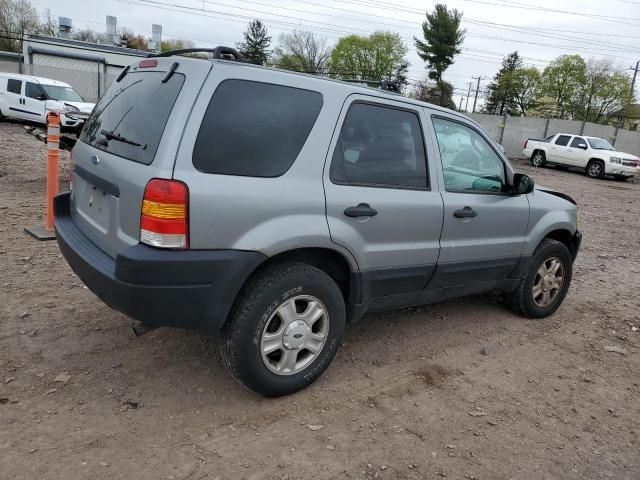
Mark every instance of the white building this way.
pixel 88 67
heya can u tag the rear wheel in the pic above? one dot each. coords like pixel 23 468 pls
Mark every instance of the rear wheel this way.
pixel 595 169
pixel 538 159
pixel 547 281
pixel 2 117
pixel 284 329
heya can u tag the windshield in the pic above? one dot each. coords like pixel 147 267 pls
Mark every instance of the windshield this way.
pixel 129 119
pixel 63 94
pixel 600 144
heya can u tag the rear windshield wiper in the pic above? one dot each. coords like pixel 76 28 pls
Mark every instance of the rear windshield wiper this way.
pixel 116 136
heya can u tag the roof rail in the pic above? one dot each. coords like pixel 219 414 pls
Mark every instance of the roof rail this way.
pixel 218 52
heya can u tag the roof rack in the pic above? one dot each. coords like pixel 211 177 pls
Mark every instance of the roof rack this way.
pixel 218 52
pixel 390 86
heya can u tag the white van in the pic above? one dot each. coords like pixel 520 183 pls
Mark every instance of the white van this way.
pixel 24 97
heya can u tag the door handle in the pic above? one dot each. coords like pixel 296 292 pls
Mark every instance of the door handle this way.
pixel 362 210
pixel 466 212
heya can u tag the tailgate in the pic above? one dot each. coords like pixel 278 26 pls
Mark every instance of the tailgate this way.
pixel 131 137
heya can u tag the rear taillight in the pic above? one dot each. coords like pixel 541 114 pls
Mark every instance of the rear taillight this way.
pixel 164 220
pixel 525 143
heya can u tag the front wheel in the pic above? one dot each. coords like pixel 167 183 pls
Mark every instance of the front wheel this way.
pixel 547 281
pixel 595 169
pixel 284 329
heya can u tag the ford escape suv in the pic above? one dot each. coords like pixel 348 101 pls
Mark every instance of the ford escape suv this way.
pixel 272 208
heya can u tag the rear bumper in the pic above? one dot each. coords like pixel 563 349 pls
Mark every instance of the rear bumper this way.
pixel 192 289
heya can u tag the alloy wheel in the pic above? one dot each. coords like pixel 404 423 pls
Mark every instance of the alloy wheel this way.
pixel 548 282
pixel 294 335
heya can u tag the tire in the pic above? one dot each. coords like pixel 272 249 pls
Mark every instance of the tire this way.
pixel 595 169
pixel 530 303
pixel 2 117
pixel 621 178
pixel 262 317
pixel 538 159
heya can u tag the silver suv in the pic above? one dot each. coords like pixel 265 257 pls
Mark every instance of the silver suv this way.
pixel 273 208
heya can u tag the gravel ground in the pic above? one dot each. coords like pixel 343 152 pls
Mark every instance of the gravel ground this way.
pixel 462 390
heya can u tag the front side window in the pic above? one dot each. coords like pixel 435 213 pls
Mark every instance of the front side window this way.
pixel 469 163
pixel 577 141
pixel 14 86
pixel 254 129
pixel 380 146
pixel 33 90
pixel 563 140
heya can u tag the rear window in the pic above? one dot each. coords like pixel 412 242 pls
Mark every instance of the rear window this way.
pixel 129 120
pixel 563 140
pixel 254 129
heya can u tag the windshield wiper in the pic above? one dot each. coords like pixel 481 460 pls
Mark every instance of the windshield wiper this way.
pixel 116 136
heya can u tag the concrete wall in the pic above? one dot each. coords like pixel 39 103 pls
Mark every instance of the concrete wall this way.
pixel 518 129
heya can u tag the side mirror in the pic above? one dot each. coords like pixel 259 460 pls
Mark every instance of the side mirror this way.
pixel 41 97
pixel 583 146
pixel 522 184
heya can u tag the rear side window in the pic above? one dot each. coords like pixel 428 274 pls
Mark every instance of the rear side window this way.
pixel 563 140
pixel 129 119
pixel 14 86
pixel 380 146
pixel 254 129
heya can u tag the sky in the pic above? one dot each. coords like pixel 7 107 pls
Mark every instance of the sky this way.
pixel 540 30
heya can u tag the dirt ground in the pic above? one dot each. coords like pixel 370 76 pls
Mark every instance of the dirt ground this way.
pixel 461 390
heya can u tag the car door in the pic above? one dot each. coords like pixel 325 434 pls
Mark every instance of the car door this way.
pixel 576 155
pixel 34 102
pixel 382 202
pixel 558 149
pixel 13 97
pixel 484 229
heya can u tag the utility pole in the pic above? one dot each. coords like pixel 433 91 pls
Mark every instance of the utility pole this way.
pixel 631 94
pixel 475 100
pixel 460 107
pixel 466 105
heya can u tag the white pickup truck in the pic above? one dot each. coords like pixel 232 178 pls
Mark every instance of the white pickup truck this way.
pixel 594 156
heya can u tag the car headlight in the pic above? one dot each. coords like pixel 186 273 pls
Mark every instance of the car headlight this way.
pixel 70 109
pixel 617 160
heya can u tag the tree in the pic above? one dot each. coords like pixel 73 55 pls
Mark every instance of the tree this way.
pixel 500 92
pixel 302 51
pixel 255 48
pixel 431 92
pixel 380 56
pixel 562 80
pixel 525 84
pixel 86 35
pixel 17 18
pixel 604 91
pixel 48 26
pixel 443 38
pixel 134 41
pixel 175 44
